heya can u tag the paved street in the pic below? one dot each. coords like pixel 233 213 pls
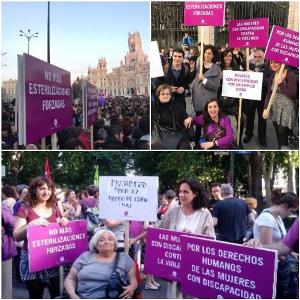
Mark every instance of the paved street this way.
pixel 20 291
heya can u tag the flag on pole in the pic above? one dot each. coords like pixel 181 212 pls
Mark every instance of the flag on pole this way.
pixel 96 176
pixel 47 169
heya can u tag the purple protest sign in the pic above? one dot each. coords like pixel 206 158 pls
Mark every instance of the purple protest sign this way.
pixel 204 13
pixel 248 33
pixel 48 99
pixel 163 254
pixel 217 270
pixel 55 245
pixel 101 100
pixel 91 105
pixel 283 46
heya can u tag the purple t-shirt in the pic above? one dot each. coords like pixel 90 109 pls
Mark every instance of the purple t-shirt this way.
pixel 86 203
pixel 135 228
pixel 291 239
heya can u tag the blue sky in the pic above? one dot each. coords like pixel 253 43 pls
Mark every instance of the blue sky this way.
pixel 81 32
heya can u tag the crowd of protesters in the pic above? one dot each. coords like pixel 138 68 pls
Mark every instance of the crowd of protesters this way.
pixel 182 78
pixel 224 217
pixel 122 123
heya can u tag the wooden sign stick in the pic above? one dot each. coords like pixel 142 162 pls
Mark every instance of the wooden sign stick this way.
pixel 273 94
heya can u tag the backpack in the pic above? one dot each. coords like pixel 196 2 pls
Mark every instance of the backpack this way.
pixel 287 274
pixel 288 278
pixel 92 218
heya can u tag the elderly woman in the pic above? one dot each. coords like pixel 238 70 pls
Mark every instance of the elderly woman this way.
pixel 191 216
pixel 40 208
pixel 169 115
pixel 90 274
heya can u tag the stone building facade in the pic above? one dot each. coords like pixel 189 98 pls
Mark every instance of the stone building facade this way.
pixel 8 90
pixel 131 78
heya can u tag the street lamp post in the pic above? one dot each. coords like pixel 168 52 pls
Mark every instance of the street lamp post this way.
pixel 2 64
pixel 28 36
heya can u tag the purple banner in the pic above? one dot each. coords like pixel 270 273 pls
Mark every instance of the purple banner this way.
pixel 217 270
pixel 48 98
pixel 204 13
pixel 283 46
pixel 248 33
pixel 91 104
pixel 163 254
pixel 56 245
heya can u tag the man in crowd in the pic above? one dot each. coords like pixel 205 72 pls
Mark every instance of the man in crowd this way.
pixel 230 216
pixel 215 190
pixel 187 41
pixel 259 65
pixel 172 198
pixel 179 76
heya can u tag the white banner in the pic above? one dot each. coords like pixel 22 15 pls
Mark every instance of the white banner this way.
pixel 239 84
pixel 156 69
pixel 128 198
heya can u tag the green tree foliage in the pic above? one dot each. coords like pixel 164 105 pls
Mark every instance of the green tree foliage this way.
pixel 76 169
pixel 207 167
pixel 68 168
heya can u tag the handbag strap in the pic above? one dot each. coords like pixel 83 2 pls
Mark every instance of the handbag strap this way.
pixel 279 227
pixel 115 264
pixel 218 127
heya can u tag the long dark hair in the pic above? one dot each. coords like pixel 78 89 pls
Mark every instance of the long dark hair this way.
pixel 233 65
pixel 206 116
pixel 201 198
pixel 214 51
pixel 37 182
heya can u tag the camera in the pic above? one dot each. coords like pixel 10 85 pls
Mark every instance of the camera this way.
pixel 116 283
pixel 114 288
pixel 123 278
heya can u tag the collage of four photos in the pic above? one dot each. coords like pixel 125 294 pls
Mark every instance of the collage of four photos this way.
pixel 150 149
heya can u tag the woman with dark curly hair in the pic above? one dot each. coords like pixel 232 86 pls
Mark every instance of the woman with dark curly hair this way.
pixel 192 216
pixel 217 129
pixel 40 208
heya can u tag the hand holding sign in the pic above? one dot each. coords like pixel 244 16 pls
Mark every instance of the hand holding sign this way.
pixel 266 114
pixel 39 221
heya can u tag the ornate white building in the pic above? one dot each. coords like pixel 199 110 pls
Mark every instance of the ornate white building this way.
pixel 8 90
pixel 130 78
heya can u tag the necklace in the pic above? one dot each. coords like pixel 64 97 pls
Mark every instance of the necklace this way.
pixel 207 66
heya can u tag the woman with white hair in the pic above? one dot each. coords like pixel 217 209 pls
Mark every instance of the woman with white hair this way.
pixel 90 276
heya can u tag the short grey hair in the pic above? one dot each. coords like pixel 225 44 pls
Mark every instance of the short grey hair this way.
pixel 94 240
pixel 226 190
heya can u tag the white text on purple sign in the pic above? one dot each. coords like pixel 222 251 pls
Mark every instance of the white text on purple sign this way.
pixel 62 236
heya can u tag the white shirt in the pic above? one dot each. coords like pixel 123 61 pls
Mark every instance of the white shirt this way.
pixel 266 219
pixel 188 223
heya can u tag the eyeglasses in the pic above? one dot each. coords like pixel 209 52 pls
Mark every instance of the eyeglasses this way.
pixel 257 56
